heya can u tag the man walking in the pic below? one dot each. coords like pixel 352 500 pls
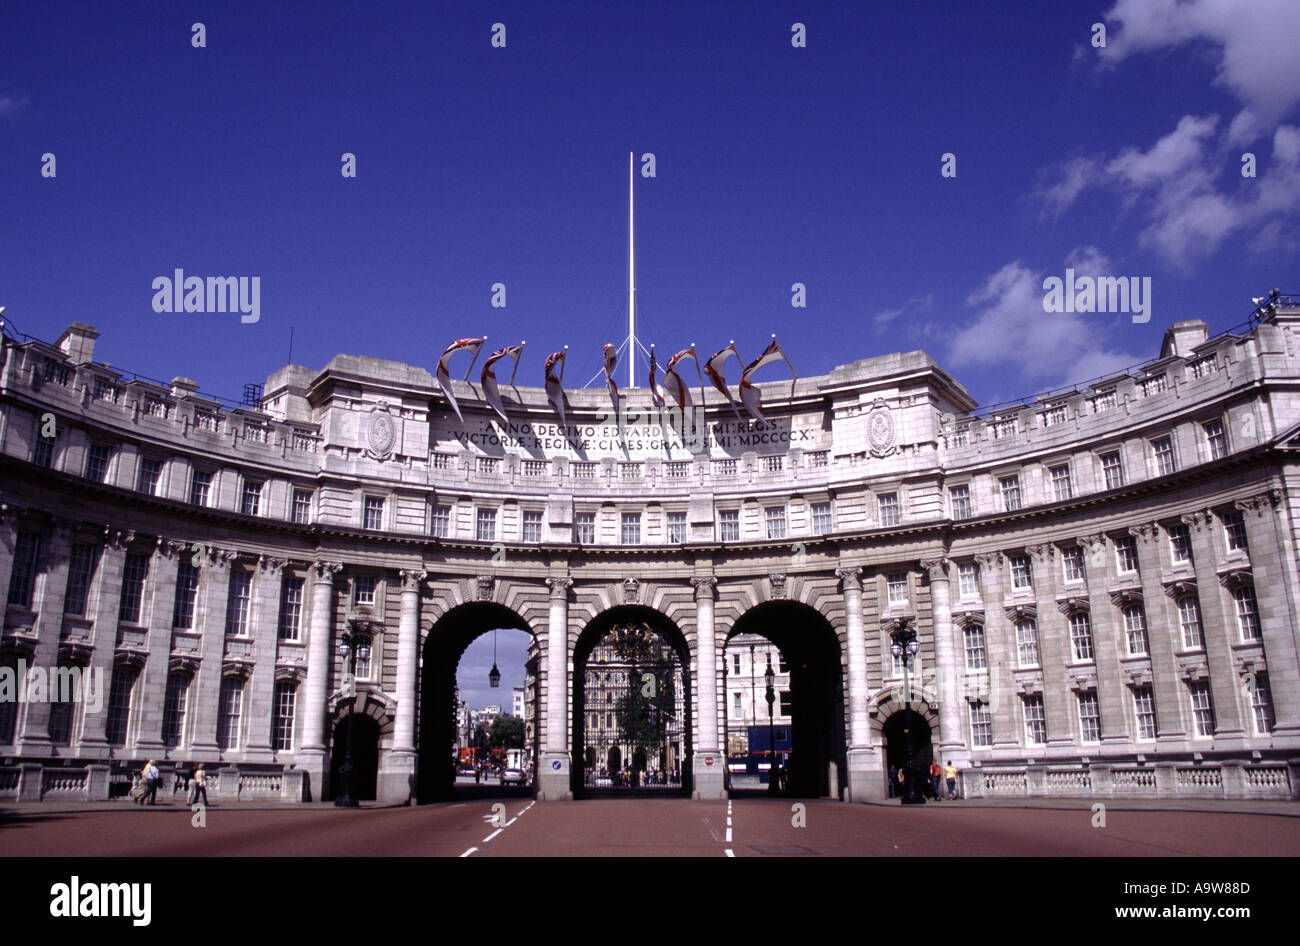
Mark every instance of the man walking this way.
pixel 151 777
pixel 935 774
pixel 950 773
pixel 893 781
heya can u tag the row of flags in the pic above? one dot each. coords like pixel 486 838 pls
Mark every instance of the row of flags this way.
pixel 674 385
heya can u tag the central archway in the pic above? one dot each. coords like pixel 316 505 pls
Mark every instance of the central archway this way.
pixel 816 763
pixel 631 706
pixel 446 642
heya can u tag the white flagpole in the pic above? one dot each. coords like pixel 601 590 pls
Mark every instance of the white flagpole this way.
pixel 631 276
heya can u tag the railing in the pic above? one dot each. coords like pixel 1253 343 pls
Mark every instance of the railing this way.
pixel 1139 781
pixel 63 781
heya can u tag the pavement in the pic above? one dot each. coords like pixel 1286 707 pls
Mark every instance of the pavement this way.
pixel 670 827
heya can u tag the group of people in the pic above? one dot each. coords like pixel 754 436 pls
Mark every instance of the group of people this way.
pixel 932 786
pixel 196 785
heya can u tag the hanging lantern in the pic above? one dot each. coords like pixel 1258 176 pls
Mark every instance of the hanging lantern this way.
pixel 494 675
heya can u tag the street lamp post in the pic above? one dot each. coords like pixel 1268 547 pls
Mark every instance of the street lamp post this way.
pixel 354 643
pixel 906 647
pixel 769 676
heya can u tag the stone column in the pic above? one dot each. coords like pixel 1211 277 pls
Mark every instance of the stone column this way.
pixel 554 771
pixel 311 755
pixel 8 537
pixel 865 779
pixel 1059 701
pixel 710 762
pixel 51 583
pixel 1107 638
pixel 1272 566
pixel 151 681
pixel 999 640
pixel 1219 634
pixel 264 626
pixel 1164 639
pixel 102 608
pixel 952 733
pixel 397 770
pixel 205 690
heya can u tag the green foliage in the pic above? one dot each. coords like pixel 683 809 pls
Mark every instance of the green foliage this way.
pixel 506 732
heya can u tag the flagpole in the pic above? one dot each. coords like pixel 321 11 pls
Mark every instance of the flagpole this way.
pixel 631 276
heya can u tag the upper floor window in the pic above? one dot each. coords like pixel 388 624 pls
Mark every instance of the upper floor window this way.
pixel 1022 572
pixel 150 474
pixel 251 503
pixel 1216 441
pixel 97 460
pixel 440 522
pixel 81 572
pixel 1126 554
pixel 1234 529
pixel 1089 717
pixel 775 522
pixel 631 528
pixel 729 525
pixel 1035 720
pixel 363 591
pixel 889 509
pixel 302 505
pixel 821 518
pixel 1261 702
pixel 291 608
pixel 200 486
pixel 1189 620
pixel 1061 486
pixel 1247 612
pixel 1113 469
pixel 1180 544
pixel 22 580
pixel 1010 486
pixel 959 498
pixel 374 513
pixel 237 603
pixel 1202 707
pixel 1163 450
pixel 584 528
pixel 968 579
pixel 134 571
pixel 43 452
pixel 485 525
pixel 973 640
pixel 1135 631
pixel 1027 643
pixel 1144 707
pixel 677 527
pixel 187 592
pixel 1081 636
pixel 1072 563
pixel 896 589
pixel 532 527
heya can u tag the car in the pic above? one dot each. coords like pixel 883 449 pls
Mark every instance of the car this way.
pixel 513 777
pixel 465 771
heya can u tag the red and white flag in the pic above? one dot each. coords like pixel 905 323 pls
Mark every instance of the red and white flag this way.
pixel 491 393
pixel 656 396
pixel 715 368
pixel 749 395
pixel 611 360
pixel 555 381
pixel 443 376
pixel 677 388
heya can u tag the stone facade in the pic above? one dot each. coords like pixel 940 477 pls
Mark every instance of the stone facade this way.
pixel 1103 582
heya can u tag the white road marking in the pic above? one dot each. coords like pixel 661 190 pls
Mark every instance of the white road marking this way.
pixel 728 835
pixel 729 852
pixel 492 835
pixel 469 852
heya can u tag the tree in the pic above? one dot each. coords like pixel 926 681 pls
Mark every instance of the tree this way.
pixel 507 732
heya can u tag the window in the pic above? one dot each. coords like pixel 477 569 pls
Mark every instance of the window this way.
pixel 736 706
pixel 1135 630
pixel 1144 708
pixel 968 580
pixel 252 499
pixel 1113 468
pixel 291 608
pixel 773 464
pixel 1089 717
pixel 485 525
pixel 282 721
pixel 1072 563
pixel 896 588
pixel 819 458
pixel 63 712
pixel 631 532
pixel 1234 528
pixel 677 527
pixel 584 528
pixel 150 475
pixel 230 706
pixel 724 467
pixel 1126 554
pixel 81 571
pixel 1010 486
pixel 785 703
pixel 821 518
pixel 200 484
pixel 1104 401
pixel 97 462
pixel 1180 544
pixel 1216 441
pixel 1061 486
pixel 187 589
pixel 119 705
pixel 729 524
pixel 1261 702
pixel 1035 720
pixel 981 725
pixel 363 591
pixel 238 598
pixel 302 505
pixel 889 509
pixel 1154 385
pixel 1189 619
pixel 1027 643
pixel 134 572
pixel 775 522
pixel 735 663
pixel 1022 572
pixel 489 465
pixel 1247 613
pixel 43 454
pixel 532 530
pixel 976 654
pixel 440 522
pixel 1081 636
pixel 178 689
pixel 374 513
pixel 959 500
pixel 1202 707
pixel 781 665
pixel 1163 449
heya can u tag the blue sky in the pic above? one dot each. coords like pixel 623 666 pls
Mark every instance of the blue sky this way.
pixel 775 165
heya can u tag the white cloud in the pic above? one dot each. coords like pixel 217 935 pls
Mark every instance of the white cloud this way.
pixel 1254 45
pixel 1043 350
pixel 11 105
pixel 1073 178
pixel 912 307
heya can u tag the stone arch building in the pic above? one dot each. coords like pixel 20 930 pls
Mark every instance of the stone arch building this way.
pixel 1103 580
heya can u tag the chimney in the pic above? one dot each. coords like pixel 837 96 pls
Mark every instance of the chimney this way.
pixel 184 387
pixel 1182 337
pixel 78 342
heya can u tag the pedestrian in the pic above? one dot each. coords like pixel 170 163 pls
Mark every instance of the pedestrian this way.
pixel 893 781
pixel 198 786
pixel 901 781
pixel 180 781
pixel 935 774
pixel 151 777
pixel 950 772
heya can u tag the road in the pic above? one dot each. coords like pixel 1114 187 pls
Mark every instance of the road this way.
pixel 749 827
